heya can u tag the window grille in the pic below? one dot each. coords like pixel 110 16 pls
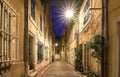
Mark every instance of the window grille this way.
pixel 9 27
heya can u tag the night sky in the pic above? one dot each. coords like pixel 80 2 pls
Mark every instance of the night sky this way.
pixel 58 25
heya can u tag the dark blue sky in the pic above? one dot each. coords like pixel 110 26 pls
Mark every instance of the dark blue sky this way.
pixel 58 25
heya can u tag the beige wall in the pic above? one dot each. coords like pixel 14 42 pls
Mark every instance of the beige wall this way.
pixel 38 35
pixel 90 29
pixel 18 6
pixel 113 52
pixel 17 68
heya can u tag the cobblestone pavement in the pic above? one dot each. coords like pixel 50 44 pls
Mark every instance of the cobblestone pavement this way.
pixel 60 69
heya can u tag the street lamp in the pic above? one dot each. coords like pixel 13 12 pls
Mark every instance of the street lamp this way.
pixel 69 13
pixel 56 44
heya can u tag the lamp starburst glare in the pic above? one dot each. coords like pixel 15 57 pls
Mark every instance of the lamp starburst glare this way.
pixel 69 13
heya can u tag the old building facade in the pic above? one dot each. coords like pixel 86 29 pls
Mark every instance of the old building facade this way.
pixel 112 56
pixel 97 20
pixel 86 27
pixel 12 37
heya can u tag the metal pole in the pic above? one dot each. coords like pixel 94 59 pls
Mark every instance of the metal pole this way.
pixel 26 38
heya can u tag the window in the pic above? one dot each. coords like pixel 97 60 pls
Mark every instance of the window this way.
pixel 42 2
pixel 33 9
pixel 8 34
pixel 40 23
pixel 86 12
pixel 40 52
pixel 63 48
pixel 45 32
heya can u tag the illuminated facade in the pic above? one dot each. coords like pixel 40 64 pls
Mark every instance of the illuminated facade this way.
pixel 12 37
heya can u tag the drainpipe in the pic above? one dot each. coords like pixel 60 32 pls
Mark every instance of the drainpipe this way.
pixel 119 52
pixel 26 38
pixel 104 34
pixel 118 25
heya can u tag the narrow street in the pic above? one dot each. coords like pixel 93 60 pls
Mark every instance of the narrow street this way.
pixel 59 38
pixel 60 69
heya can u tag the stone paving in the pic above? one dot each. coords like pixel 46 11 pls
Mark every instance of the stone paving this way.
pixel 60 69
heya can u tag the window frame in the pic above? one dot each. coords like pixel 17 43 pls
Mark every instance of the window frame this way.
pixel 40 50
pixel 9 31
pixel 86 11
pixel 41 23
pixel 33 9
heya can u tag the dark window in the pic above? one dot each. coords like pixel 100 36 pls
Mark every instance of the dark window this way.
pixel 86 18
pixel 87 6
pixel 63 47
pixel 42 2
pixel 86 12
pixel 40 23
pixel 33 9
pixel 45 32
pixel 40 52
pixel 9 37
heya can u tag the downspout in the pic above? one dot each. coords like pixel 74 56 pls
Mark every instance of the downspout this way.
pixel 105 35
pixel 119 51
pixel 118 27
pixel 26 39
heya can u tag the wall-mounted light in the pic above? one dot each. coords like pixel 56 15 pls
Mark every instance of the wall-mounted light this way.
pixel 56 44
